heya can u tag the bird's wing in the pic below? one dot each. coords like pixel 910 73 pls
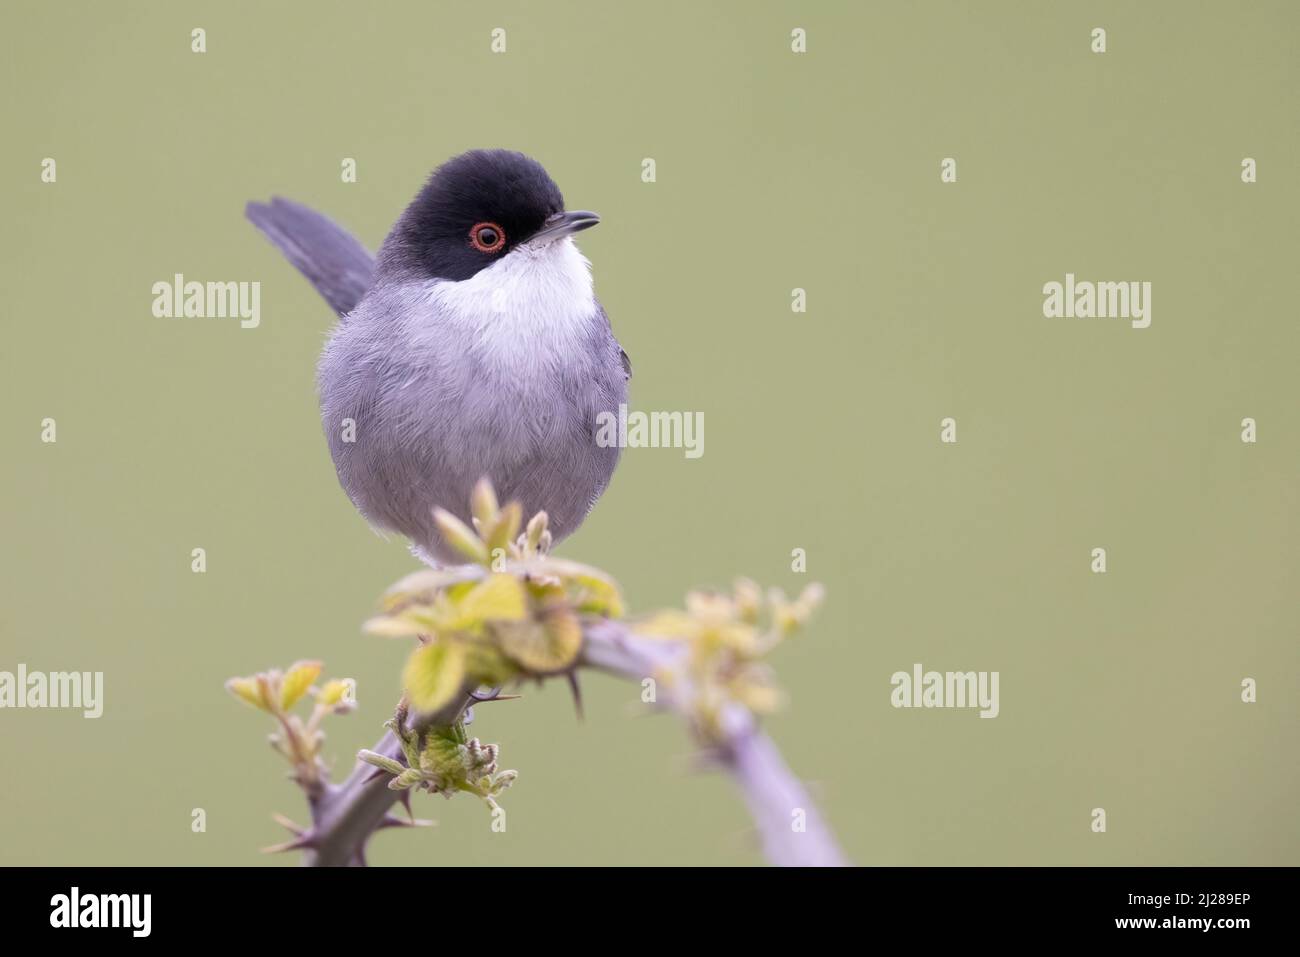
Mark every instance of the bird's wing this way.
pixel 622 353
pixel 329 256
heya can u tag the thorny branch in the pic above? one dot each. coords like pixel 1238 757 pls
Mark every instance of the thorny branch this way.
pixel 347 814
pixel 515 613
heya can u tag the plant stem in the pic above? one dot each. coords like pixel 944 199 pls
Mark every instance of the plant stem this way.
pixel 792 830
pixel 345 815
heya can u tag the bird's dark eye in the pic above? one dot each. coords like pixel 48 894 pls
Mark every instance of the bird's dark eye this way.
pixel 487 237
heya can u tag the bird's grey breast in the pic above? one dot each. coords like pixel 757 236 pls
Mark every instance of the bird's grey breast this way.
pixel 501 375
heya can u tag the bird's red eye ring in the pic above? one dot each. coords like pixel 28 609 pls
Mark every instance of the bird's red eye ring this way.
pixel 487 237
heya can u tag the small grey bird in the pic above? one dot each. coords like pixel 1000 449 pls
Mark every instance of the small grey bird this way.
pixel 474 345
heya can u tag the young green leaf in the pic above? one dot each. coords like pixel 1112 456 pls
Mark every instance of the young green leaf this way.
pixel 297 681
pixel 545 645
pixel 247 690
pixel 500 598
pixel 434 674
pixel 460 536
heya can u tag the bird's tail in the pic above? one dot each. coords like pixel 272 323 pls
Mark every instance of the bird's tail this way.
pixel 329 256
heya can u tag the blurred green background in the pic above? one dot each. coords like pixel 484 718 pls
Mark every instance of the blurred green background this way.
pixel 775 171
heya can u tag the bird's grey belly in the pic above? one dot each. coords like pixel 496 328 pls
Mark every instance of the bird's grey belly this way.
pixel 424 438
pixel 401 485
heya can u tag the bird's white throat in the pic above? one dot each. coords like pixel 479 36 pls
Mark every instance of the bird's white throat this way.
pixel 535 297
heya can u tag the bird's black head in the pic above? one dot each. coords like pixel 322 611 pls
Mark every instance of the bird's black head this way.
pixel 474 210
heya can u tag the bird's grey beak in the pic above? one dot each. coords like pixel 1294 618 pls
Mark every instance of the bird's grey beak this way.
pixel 565 224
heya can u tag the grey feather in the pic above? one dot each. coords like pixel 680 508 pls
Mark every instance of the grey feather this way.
pixel 329 256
